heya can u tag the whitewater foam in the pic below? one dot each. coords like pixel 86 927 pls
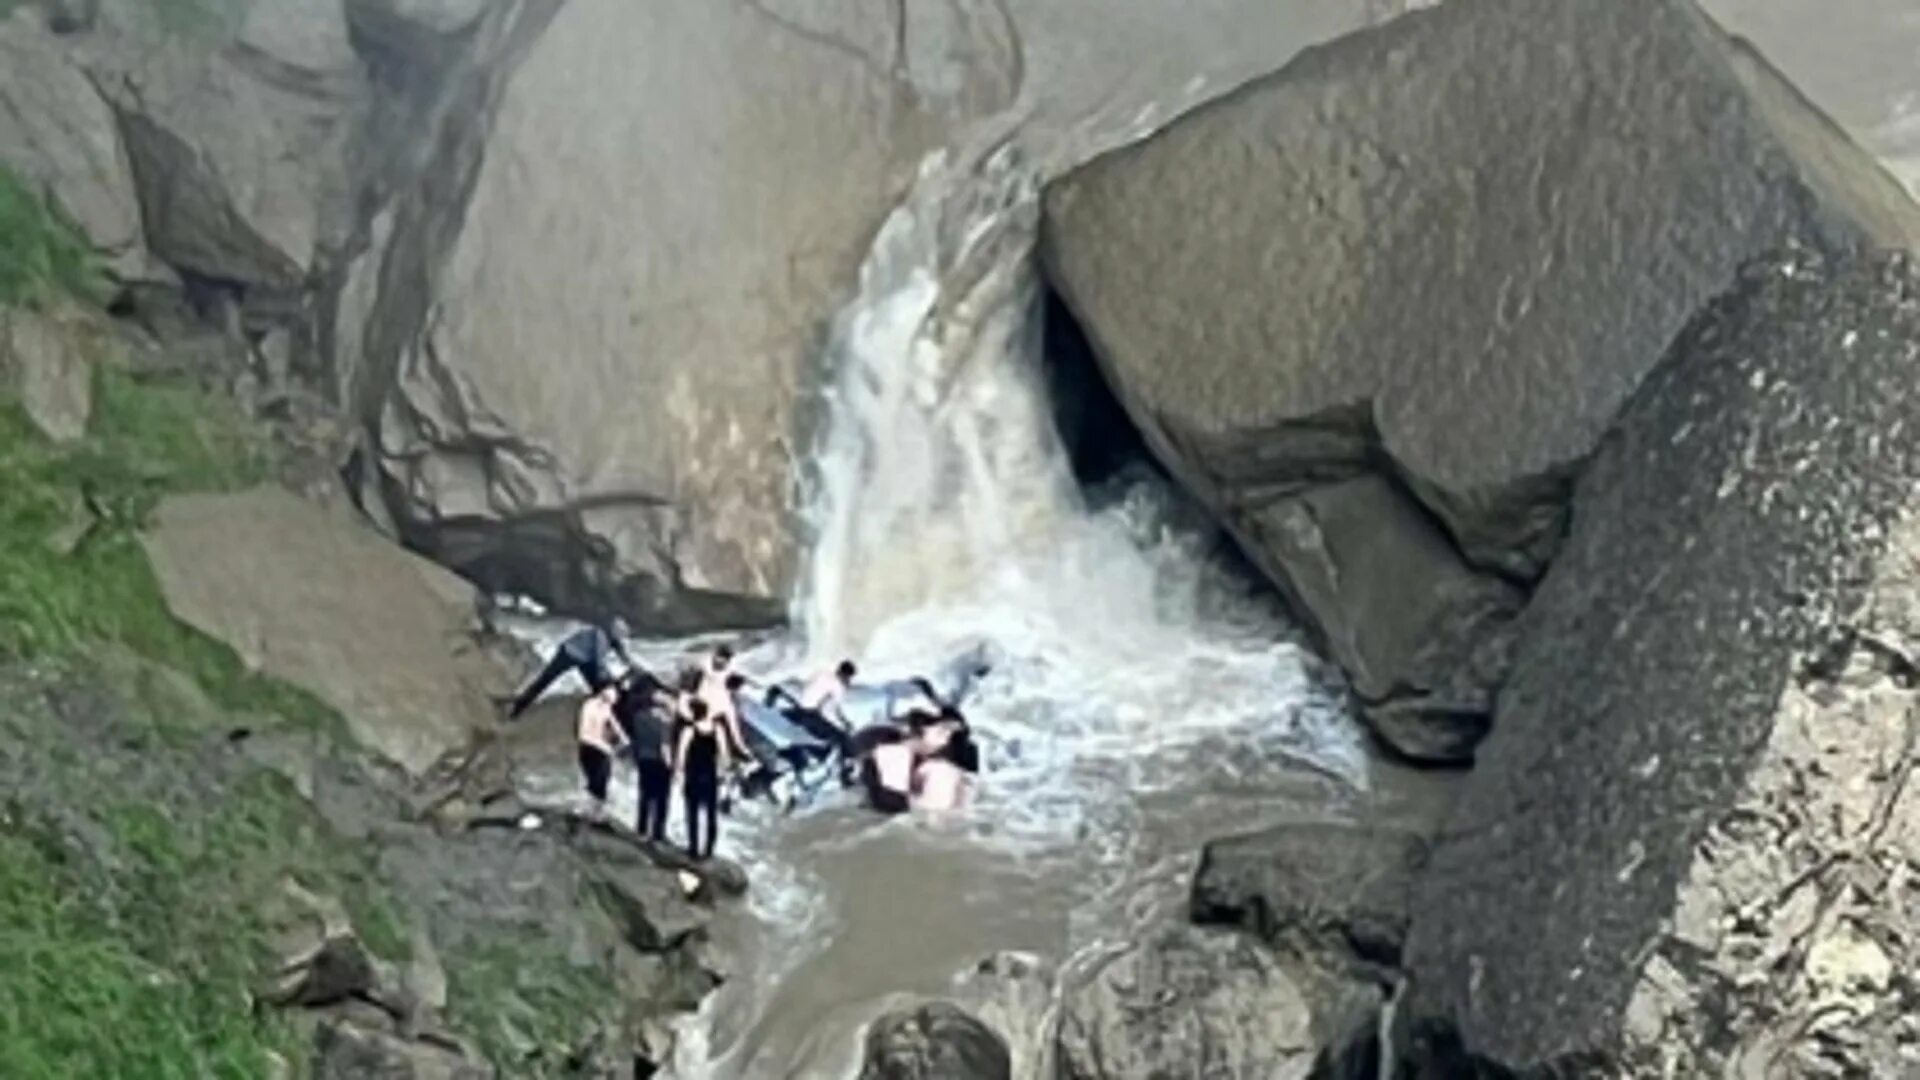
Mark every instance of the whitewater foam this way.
pixel 1142 695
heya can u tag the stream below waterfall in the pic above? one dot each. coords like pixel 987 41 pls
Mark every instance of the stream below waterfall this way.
pixel 1145 694
pixel 1144 697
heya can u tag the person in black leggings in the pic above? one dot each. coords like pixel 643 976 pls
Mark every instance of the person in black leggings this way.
pixel 638 709
pixel 699 759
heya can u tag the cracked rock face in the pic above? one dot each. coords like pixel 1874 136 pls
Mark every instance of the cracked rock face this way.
pixel 1793 936
pixel 1378 308
pixel 1686 846
pixel 1193 1002
pixel 239 152
pixel 59 135
pixel 602 403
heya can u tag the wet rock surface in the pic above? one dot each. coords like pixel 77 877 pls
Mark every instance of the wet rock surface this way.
pixel 1681 850
pixel 1194 1002
pixel 935 1041
pixel 1341 890
pixel 239 149
pixel 1379 332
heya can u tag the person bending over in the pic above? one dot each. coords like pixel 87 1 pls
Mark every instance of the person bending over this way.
pixel 598 733
pixel 639 710
pixel 735 686
pixel 891 763
pixel 586 651
pixel 699 760
pixel 817 709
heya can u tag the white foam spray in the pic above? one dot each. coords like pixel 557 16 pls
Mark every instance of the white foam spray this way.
pixel 1141 697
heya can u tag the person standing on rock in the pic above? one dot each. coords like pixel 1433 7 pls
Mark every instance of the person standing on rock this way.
pixel 642 700
pixel 586 651
pixel 598 734
pixel 699 759
pixel 720 687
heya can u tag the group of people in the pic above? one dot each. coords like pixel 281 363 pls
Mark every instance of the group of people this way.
pixel 712 731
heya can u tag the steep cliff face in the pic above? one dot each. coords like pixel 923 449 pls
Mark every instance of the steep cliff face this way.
pixel 1378 308
pixel 565 267
pixel 598 402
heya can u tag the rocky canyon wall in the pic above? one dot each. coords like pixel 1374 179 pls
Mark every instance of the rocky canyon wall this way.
pixel 1378 309
pixel 1583 419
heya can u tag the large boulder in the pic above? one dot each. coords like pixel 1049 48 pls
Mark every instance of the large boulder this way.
pixel 1378 308
pixel 309 595
pixel 46 361
pixel 935 1041
pixel 1688 846
pixel 1342 889
pixel 57 134
pixel 599 404
pixel 1190 1002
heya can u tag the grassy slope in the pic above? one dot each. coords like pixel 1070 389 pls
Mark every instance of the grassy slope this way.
pixel 103 937
pixel 41 256
pixel 131 865
pixel 127 938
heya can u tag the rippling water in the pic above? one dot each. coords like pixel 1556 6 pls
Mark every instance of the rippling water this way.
pixel 1142 700
pixel 1143 696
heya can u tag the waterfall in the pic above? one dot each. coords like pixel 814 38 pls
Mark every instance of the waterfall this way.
pixel 939 460
pixel 1143 692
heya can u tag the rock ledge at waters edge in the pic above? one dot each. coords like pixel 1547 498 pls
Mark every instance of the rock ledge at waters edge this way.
pixel 934 1041
pixel 1188 1001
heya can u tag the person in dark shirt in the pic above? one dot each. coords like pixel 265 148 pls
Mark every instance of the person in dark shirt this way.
pixel 699 760
pixel 586 651
pixel 638 709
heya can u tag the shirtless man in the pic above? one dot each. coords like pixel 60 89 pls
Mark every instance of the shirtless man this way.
pixel 893 767
pixel 889 777
pixel 719 687
pixel 824 694
pixel 939 784
pixel 598 735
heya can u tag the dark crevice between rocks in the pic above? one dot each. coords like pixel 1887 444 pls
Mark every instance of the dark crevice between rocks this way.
pixel 1100 438
pixel 1432 1051
pixel 426 184
pixel 1108 453
pixel 552 556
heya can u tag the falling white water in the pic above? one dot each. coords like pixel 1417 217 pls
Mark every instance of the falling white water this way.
pixel 1142 698
pixel 938 459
